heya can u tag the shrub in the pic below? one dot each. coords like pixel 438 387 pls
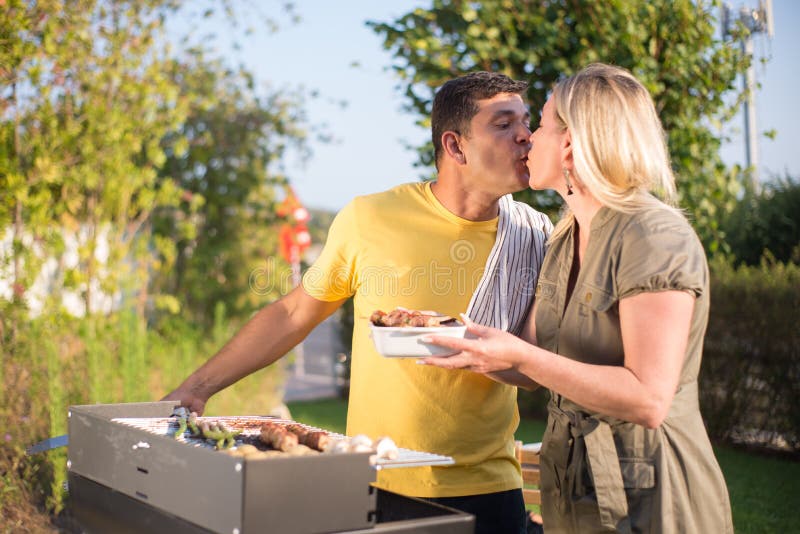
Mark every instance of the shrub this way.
pixel 533 404
pixel 750 377
pixel 54 361
pixel 766 221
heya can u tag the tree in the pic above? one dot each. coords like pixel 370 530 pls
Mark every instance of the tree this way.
pixel 89 103
pixel 670 45
pixel 83 107
pixel 224 227
pixel 93 108
pixel 766 224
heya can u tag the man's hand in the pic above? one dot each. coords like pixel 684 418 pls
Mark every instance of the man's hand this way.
pixel 189 400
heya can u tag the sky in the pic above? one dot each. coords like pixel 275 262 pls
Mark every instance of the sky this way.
pixel 371 132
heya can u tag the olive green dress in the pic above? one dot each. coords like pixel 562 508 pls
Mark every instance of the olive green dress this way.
pixel 599 473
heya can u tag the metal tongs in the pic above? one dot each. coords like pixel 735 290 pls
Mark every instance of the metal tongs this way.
pixel 48 444
pixel 63 440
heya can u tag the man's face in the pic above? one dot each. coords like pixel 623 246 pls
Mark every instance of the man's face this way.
pixel 496 146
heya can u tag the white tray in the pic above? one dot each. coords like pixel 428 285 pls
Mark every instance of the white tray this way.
pixel 406 341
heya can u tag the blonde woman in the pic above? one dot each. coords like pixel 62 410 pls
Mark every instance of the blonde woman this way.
pixel 617 327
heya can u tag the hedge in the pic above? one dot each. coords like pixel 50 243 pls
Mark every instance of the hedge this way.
pixel 750 377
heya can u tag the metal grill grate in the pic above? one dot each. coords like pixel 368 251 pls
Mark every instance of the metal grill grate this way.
pixel 251 427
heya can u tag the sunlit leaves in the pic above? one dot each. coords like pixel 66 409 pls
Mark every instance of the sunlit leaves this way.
pixel 82 124
pixel 222 159
pixel 672 46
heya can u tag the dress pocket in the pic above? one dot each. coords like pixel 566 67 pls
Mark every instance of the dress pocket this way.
pixel 547 315
pixel 639 479
pixel 637 473
pixel 592 299
pixel 598 327
pixel 554 456
pixel 545 289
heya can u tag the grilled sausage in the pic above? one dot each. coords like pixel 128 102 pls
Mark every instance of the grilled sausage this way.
pixel 277 436
pixel 316 439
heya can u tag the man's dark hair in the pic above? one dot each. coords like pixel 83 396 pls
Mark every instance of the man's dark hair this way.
pixel 456 102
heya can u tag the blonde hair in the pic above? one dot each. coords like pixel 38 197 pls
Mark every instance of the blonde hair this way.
pixel 618 145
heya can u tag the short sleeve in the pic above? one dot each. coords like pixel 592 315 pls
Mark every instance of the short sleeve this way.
pixel 661 256
pixel 333 275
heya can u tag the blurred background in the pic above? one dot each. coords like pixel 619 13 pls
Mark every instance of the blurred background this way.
pixel 169 167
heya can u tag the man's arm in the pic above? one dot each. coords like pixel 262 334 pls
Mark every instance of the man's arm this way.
pixel 270 334
pixel 513 378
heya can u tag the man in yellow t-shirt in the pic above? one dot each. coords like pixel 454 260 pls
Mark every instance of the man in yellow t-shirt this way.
pixel 419 246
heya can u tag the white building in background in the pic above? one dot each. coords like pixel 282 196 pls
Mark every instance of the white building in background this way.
pixel 50 275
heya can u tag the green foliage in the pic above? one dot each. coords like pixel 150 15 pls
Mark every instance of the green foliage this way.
pixel 330 414
pixel 86 106
pixel 221 158
pixel 533 404
pixel 750 377
pixel 669 45
pixel 102 133
pixel 133 352
pixel 54 362
pixel 766 221
pixel 101 129
pixel 56 393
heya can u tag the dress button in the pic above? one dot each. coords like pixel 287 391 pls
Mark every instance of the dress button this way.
pixel 588 297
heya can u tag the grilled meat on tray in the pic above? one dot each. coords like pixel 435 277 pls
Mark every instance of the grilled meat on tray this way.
pixel 403 317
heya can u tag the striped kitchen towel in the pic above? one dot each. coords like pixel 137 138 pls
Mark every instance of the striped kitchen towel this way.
pixel 505 293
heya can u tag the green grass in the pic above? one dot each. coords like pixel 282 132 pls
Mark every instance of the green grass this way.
pixel 763 490
pixel 530 430
pixel 330 414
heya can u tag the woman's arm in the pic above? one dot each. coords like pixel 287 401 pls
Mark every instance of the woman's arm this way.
pixel 655 332
pixel 516 378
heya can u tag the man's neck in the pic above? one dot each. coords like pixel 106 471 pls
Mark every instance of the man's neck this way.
pixel 465 203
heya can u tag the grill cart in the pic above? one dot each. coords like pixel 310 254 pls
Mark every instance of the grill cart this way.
pixel 128 473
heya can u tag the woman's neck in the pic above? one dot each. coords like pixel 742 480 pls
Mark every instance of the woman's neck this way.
pixel 584 207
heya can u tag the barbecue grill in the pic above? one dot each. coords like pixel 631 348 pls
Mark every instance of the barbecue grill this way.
pixel 127 472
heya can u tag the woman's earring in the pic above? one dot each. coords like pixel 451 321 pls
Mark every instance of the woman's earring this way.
pixel 566 179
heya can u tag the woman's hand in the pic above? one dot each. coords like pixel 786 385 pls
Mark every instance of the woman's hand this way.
pixel 484 350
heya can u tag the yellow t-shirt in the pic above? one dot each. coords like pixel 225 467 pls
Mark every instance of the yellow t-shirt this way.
pixel 403 248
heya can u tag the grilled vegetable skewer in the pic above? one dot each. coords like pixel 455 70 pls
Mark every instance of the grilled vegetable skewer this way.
pixel 191 422
pixel 181 427
pixel 217 432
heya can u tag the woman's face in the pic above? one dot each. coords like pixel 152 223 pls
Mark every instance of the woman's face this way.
pixel 547 148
